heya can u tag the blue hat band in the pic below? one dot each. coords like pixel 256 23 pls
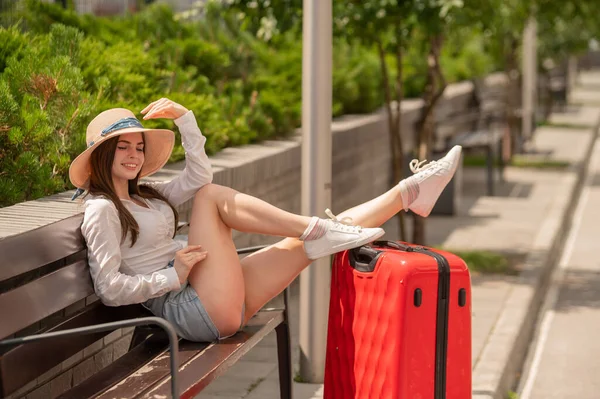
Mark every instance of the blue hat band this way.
pixel 118 125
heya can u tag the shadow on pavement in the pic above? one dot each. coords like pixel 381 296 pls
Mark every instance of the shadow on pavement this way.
pixel 595 180
pixel 580 289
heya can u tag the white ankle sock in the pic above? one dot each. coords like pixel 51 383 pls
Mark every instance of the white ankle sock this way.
pixel 316 229
pixel 409 191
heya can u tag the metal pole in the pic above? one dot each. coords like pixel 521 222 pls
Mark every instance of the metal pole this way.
pixel 316 179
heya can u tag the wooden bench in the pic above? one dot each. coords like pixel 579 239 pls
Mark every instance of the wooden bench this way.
pixel 557 87
pixel 477 130
pixel 491 141
pixel 44 273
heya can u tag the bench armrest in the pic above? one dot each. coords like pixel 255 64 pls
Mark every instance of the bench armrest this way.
pixel 162 323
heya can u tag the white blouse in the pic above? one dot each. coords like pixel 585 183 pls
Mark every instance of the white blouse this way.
pixel 125 275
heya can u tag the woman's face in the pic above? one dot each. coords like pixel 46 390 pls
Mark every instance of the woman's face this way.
pixel 129 156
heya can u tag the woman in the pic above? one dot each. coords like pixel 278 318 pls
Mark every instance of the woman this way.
pixel 201 286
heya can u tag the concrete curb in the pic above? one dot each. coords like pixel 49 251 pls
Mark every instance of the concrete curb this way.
pixel 495 374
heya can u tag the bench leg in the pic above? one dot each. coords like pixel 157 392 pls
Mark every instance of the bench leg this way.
pixel 139 336
pixel 501 165
pixel 490 170
pixel 284 352
pixel 144 334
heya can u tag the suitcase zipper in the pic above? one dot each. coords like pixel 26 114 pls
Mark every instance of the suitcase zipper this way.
pixel 443 307
pixel 441 334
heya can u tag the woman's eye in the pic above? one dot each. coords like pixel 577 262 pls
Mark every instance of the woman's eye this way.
pixel 140 149
pixel 122 148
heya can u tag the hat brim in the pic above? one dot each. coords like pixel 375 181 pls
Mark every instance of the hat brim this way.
pixel 158 145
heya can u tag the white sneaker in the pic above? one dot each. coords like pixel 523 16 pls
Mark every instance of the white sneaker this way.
pixel 428 182
pixel 340 235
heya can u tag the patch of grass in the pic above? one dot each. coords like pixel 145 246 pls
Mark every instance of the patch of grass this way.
pixel 472 160
pixel 298 378
pixel 485 261
pixel 512 395
pixel 519 161
pixel 564 125
pixel 525 162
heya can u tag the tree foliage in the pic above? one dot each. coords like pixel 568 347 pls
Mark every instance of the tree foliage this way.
pixel 237 65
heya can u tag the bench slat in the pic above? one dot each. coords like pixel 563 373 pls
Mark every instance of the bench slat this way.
pixel 206 366
pixel 478 138
pixel 53 292
pixel 22 253
pixel 195 359
pixel 23 363
pixel 124 366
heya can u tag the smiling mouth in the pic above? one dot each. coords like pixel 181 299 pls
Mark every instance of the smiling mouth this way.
pixel 129 165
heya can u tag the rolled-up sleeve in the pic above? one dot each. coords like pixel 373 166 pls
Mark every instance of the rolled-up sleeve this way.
pixel 101 229
pixel 197 171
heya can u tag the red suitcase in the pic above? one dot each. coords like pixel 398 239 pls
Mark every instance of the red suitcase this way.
pixel 399 324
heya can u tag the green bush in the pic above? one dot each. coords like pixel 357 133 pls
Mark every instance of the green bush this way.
pixel 43 107
pixel 357 81
pixel 58 69
pixel 13 44
pixel 465 58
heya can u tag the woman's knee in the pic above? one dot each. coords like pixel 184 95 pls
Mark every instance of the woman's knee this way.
pixel 209 190
pixel 228 321
pixel 214 193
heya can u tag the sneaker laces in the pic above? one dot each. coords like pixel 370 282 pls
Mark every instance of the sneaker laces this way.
pixel 345 221
pixel 417 166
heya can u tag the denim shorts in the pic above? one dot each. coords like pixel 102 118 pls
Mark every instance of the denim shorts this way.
pixel 183 309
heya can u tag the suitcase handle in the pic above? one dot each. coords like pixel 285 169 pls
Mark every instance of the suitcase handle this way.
pixel 363 259
pixel 394 245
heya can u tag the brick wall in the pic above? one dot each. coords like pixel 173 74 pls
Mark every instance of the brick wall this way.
pixel 272 172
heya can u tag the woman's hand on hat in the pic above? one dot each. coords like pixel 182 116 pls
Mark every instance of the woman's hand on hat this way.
pixel 164 108
pixel 185 260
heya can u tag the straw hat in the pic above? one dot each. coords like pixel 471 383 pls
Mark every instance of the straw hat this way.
pixel 115 122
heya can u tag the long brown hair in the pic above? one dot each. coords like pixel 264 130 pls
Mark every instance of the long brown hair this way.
pixel 101 183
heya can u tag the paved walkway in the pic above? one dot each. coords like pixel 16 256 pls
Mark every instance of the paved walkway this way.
pixel 564 360
pixel 522 220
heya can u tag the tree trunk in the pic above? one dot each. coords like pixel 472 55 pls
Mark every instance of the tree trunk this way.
pixel 434 89
pixel 512 103
pixel 394 129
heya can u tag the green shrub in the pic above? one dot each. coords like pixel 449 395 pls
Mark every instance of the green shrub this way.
pixel 464 58
pixel 207 57
pixel 132 72
pixel 43 107
pixel 13 44
pixel 67 68
pixel 357 81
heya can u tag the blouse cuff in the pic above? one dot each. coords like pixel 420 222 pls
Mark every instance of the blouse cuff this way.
pixel 185 119
pixel 172 279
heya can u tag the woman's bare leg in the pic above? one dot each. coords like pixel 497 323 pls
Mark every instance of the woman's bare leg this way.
pixel 269 271
pixel 218 280
pixel 222 282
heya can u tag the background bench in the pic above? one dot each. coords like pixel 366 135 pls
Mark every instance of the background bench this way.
pixel 490 140
pixel 482 129
pixel 44 274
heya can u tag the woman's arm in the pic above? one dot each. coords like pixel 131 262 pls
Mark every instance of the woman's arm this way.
pixel 197 171
pixel 102 232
